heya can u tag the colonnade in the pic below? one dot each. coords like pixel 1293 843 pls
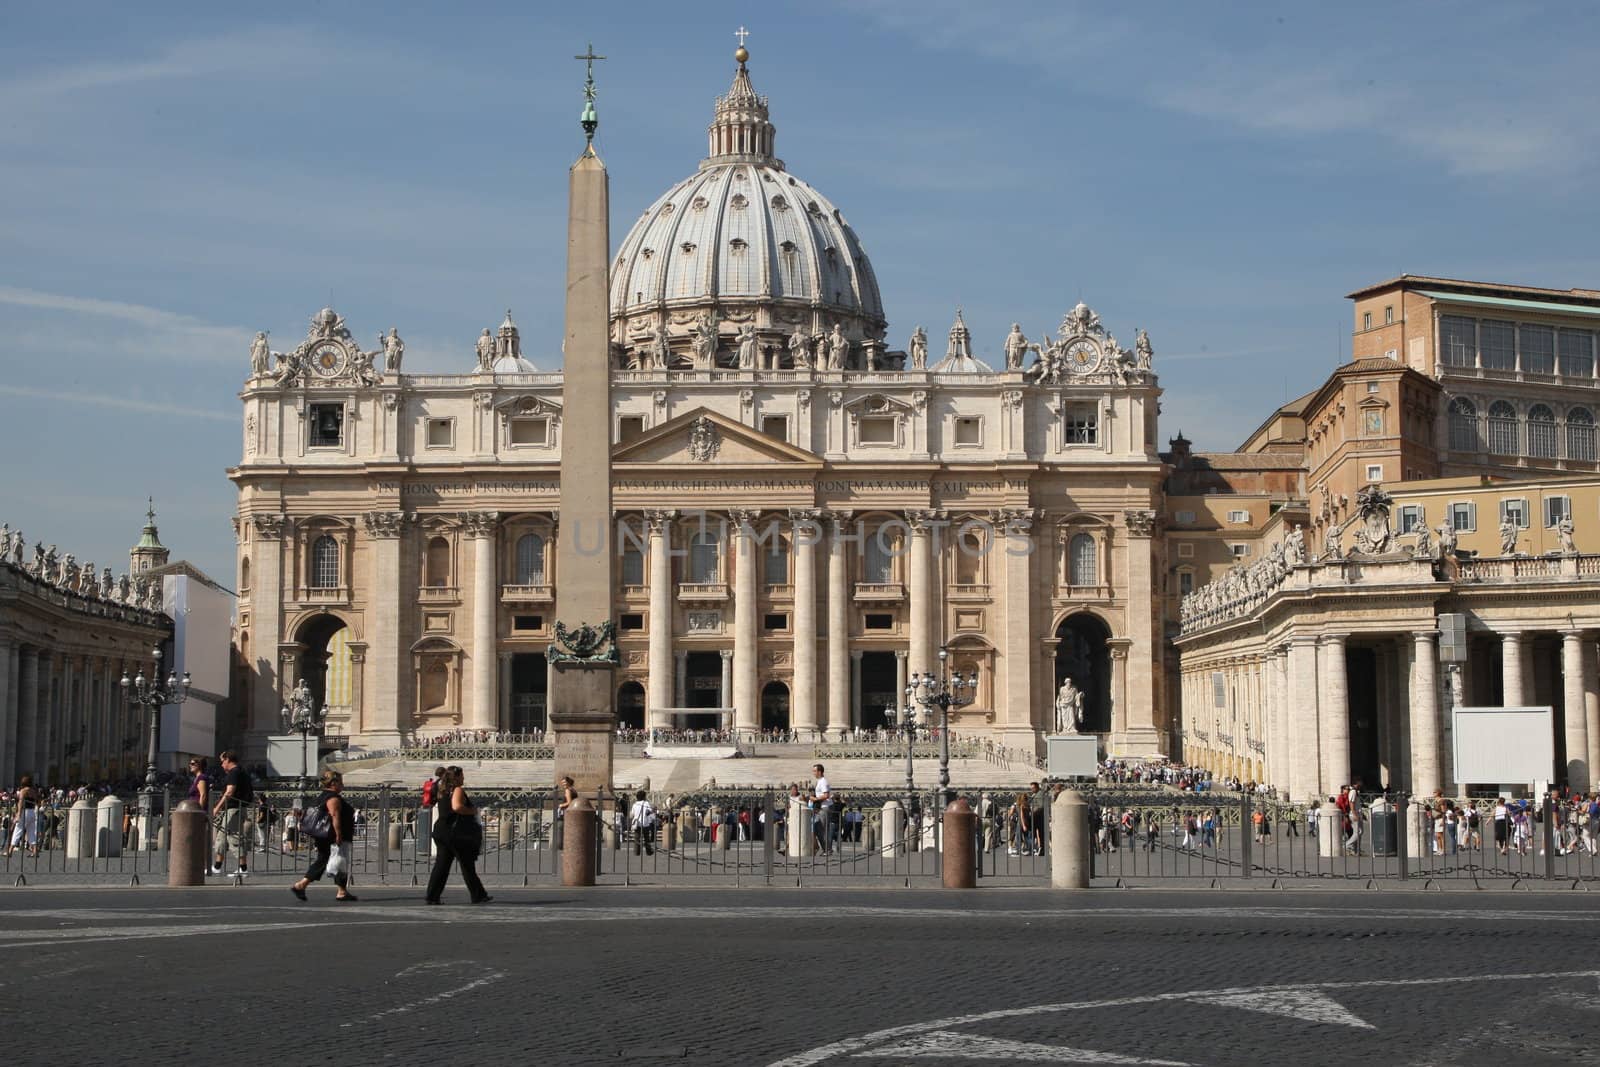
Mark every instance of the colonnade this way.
pixel 62 715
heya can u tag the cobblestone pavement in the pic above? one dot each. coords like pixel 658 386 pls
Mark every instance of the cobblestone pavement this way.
pixel 774 977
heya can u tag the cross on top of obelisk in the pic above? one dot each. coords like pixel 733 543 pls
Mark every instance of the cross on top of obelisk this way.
pixel 590 121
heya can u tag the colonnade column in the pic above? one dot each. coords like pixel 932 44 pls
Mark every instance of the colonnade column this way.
pixel 384 694
pixel 901 676
pixel 8 712
pixel 1591 707
pixel 483 529
pixel 1278 744
pixel 681 679
pixel 1574 712
pixel 804 535
pixel 1138 711
pixel 855 689
pixel 1513 684
pixel 917 582
pixel 1425 720
pixel 659 690
pixel 267 534
pixel 746 700
pixel 725 691
pixel 838 719
pixel 1303 727
pixel 1016 556
pixel 1333 713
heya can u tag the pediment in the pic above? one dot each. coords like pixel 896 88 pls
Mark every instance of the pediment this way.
pixel 528 404
pixel 705 438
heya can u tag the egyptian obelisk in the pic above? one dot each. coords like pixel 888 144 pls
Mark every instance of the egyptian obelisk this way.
pixel 584 655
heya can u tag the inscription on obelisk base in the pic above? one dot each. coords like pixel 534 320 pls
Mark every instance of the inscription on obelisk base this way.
pixel 583 738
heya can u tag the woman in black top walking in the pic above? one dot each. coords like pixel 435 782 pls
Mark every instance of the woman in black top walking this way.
pixel 457 838
pixel 343 818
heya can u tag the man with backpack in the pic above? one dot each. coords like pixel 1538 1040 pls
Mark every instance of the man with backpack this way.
pixel 642 821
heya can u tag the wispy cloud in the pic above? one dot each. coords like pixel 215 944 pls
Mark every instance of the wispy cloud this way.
pixel 166 333
pixel 121 403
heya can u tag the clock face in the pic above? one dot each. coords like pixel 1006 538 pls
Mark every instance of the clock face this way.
pixel 327 360
pixel 1083 356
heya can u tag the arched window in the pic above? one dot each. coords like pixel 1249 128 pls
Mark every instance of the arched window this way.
pixel 969 558
pixel 1082 561
pixel 325 563
pixel 1502 428
pixel 775 561
pixel 1541 432
pixel 244 575
pixel 530 559
pixel 436 570
pixel 878 558
pixel 705 558
pixel 1464 436
pixel 1580 434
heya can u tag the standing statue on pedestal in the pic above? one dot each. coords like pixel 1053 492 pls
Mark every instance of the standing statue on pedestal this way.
pixel 705 342
pixel 1069 708
pixel 800 349
pixel 918 349
pixel 1294 546
pixel 1447 539
pixel 1016 347
pixel 486 351
pixel 1424 549
pixel 838 348
pixel 394 350
pixel 1508 537
pixel 260 356
pixel 1332 543
pixel 1564 535
pixel 1143 354
pixel 747 347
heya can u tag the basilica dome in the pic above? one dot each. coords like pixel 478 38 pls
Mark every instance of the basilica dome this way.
pixel 746 242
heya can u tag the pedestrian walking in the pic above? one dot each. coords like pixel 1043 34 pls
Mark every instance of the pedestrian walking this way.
pixel 25 822
pixel 229 815
pixel 642 821
pixel 459 838
pixel 333 850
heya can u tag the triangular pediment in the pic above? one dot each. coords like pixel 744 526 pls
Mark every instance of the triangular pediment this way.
pixel 704 438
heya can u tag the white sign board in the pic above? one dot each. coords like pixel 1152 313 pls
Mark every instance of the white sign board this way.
pixel 1072 755
pixel 1504 745
pixel 285 753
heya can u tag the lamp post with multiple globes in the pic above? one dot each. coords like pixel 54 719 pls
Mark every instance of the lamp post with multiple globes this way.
pixel 942 691
pixel 152 694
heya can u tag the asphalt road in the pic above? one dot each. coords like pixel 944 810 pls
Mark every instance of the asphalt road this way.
pixel 775 977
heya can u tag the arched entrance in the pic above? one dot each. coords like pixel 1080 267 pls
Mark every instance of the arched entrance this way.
pixel 630 705
pixel 325 663
pixel 775 706
pixel 1083 655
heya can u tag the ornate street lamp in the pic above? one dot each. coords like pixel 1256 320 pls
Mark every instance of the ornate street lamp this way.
pixel 907 719
pixel 302 716
pixel 152 694
pixel 942 691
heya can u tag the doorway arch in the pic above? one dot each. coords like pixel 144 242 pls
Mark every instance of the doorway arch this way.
pixel 324 661
pixel 630 705
pixel 775 706
pixel 1084 655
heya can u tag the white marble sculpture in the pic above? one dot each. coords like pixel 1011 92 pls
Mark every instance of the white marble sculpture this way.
pixel 747 347
pixel 394 350
pixel 260 355
pixel 1069 708
pixel 1016 347
pixel 917 349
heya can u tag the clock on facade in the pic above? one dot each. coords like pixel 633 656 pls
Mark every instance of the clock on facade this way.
pixel 328 360
pixel 1083 356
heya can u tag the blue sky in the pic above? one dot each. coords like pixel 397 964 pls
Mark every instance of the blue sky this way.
pixel 1221 175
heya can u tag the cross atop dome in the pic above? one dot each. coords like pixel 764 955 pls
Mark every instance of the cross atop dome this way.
pixel 741 130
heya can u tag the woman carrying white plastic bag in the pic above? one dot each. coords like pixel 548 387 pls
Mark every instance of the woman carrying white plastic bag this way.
pixel 329 824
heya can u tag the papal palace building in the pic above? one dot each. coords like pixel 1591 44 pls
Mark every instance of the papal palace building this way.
pixel 806 515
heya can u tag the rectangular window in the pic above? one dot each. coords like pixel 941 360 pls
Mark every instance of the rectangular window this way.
pixel 878 430
pixel 1458 341
pixel 327 425
pixel 629 428
pixel 1464 516
pixel 1083 424
pixel 441 433
pixel 1372 387
pixel 630 620
pixel 969 431
pixel 777 622
pixel 1366 320
pixel 775 427
pixel 1515 511
pixel 1374 472
pixel 1538 349
pixel 1411 518
pixel 1219 689
pixel 775 563
pixel 1577 353
pixel 527 622
pixel 632 564
pixel 1185 583
pixel 1186 550
pixel 1185 516
pixel 1388 314
pixel 529 432
pixel 1239 517
pixel 878 622
pixel 1497 342
pixel 1239 550
pixel 1556 508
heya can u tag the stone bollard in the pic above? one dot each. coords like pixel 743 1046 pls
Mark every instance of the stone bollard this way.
pixel 869 831
pixel 1069 841
pixel 186 862
pixel 716 833
pixel 397 836
pixel 960 869
pixel 577 852
pixel 894 827
pixel 108 827
pixel 800 840
pixel 668 830
pixel 685 824
pixel 1330 839
pixel 507 831
pixel 80 830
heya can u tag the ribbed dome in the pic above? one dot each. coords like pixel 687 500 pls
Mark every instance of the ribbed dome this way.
pixel 745 240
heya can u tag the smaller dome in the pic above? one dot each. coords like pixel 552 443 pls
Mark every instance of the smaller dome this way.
pixel 514 365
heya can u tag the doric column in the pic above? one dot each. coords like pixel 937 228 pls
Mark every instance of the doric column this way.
pixel 1012 548
pixel 681 675
pixel 483 528
pixel 838 719
pixel 1513 647
pixel 855 689
pixel 388 691
pixel 8 712
pixel 658 683
pixel 66 717
pixel 28 712
pixel 746 697
pixel 1137 723
pixel 725 693
pixel 503 713
pixel 1281 754
pixel 1303 728
pixel 1425 718
pixel 1591 707
pixel 918 579
pixel 1574 712
pixel 901 674
pixel 1333 714
pixel 805 533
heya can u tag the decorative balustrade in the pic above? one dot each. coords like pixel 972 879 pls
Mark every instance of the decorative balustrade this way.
pixel 702 591
pixel 880 591
pixel 527 594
